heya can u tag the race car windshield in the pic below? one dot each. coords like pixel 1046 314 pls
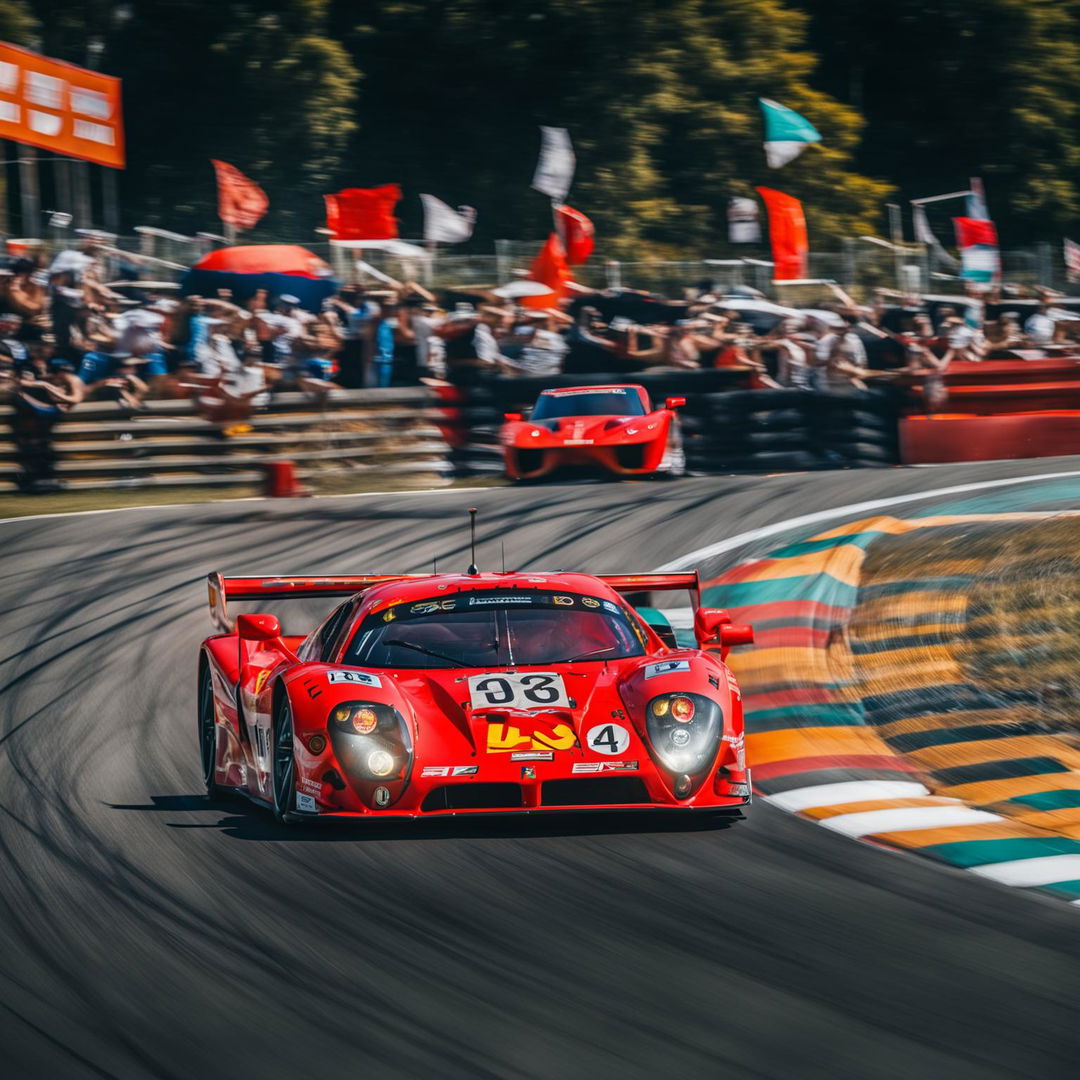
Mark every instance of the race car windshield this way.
pixel 601 403
pixel 495 629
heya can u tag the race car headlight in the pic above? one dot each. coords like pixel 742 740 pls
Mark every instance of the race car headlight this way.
pixel 684 731
pixel 371 740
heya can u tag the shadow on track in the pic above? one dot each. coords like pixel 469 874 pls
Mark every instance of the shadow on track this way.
pixel 242 823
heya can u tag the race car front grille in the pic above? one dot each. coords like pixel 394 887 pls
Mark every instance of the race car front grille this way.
pixel 529 460
pixel 472 797
pixel 594 791
pixel 631 457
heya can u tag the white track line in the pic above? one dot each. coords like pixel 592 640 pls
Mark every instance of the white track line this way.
pixel 848 791
pixel 243 498
pixel 906 819
pixel 695 558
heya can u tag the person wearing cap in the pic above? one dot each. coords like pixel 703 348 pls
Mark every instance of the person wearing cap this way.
pixel 544 349
pixel 279 329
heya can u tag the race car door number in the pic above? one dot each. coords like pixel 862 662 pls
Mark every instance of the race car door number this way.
pixel 523 690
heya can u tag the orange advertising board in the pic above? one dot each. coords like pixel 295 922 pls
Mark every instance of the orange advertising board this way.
pixel 60 107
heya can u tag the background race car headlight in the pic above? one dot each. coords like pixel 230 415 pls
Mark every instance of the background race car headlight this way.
pixel 371 740
pixel 684 731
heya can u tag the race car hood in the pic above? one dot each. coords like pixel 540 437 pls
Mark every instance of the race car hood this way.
pixel 451 727
pixel 587 431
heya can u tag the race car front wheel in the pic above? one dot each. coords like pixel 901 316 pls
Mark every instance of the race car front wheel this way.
pixel 284 761
pixel 207 733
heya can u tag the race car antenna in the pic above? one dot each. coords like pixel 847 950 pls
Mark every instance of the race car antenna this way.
pixel 472 541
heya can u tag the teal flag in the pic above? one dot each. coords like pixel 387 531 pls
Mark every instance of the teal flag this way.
pixel 787 134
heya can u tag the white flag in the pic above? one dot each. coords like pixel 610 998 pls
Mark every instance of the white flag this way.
pixel 924 235
pixel 1072 260
pixel 555 169
pixel 445 225
pixel 744 225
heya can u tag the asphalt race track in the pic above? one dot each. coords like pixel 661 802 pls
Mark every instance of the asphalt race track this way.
pixel 148 933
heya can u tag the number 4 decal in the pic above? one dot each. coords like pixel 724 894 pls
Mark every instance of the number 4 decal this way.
pixel 608 739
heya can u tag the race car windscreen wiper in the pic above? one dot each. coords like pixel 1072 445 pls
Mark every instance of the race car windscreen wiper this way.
pixel 427 652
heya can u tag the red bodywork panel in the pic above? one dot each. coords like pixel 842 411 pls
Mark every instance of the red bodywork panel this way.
pixel 621 444
pixel 591 750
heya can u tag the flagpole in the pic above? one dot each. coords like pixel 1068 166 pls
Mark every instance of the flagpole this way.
pixel 941 198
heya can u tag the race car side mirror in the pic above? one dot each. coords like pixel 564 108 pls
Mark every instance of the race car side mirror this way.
pixel 257 627
pixel 674 402
pixel 513 416
pixel 707 623
pixel 736 634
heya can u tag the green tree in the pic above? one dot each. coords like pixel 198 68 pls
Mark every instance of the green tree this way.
pixel 954 88
pixel 260 85
pixel 660 99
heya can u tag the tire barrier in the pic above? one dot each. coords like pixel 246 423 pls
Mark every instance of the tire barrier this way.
pixel 861 716
pixel 725 429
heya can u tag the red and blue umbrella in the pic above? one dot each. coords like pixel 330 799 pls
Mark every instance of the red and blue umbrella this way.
pixel 279 268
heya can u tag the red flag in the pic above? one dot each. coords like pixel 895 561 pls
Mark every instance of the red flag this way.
pixel 971 231
pixel 576 232
pixel 241 202
pixel 363 213
pixel 787 234
pixel 549 268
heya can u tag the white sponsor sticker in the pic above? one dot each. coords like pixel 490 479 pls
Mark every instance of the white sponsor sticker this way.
pixel 449 770
pixel 359 678
pixel 518 690
pixel 604 766
pixel 666 667
pixel 306 803
pixel 533 755
pixel 608 739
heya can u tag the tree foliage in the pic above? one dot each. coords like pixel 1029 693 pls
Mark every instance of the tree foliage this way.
pixel 955 88
pixel 660 97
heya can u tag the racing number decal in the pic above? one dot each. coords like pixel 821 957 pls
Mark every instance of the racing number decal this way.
pixel 495 691
pixel 608 739
pixel 529 690
pixel 542 689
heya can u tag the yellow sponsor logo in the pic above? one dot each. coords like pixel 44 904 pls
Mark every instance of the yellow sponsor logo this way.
pixel 504 738
pixel 260 681
pixel 564 601
pixel 588 601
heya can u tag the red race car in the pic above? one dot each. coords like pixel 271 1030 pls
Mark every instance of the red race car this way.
pixel 613 427
pixel 421 696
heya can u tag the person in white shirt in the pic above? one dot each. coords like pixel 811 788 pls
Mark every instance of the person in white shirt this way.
pixel 1040 327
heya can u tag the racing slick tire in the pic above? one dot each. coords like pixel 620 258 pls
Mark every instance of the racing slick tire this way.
pixel 207 731
pixel 284 762
pixel 673 463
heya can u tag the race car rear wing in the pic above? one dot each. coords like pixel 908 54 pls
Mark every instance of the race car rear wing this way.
pixel 221 589
pixel 646 583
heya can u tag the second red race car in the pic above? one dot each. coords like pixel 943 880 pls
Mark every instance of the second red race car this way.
pixel 612 427
pixel 421 696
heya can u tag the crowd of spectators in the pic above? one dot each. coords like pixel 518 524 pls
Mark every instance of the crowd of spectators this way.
pixel 67 334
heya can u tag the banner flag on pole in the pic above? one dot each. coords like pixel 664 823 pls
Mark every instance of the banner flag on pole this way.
pixel 550 268
pixel 445 225
pixel 924 235
pixel 577 234
pixel 787 234
pixel 241 202
pixel 363 213
pixel 1072 260
pixel 978 243
pixel 744 221
pixel 975 206
pixel 555 169
pixel 787 134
